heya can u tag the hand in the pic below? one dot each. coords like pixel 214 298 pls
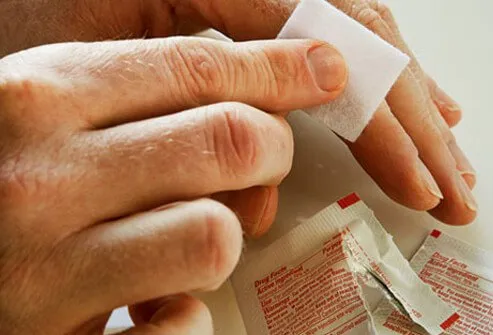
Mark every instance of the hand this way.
pixel 408 148
pixel 95 136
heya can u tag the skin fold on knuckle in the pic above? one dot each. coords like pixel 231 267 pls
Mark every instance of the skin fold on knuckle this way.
pixel 31 184
pixel 17 95
pixel 201 68
pixel 374 15
pixel 280 71
pixel 234 141
pixel 27 92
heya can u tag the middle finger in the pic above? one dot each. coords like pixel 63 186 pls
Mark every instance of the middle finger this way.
pixel 228 146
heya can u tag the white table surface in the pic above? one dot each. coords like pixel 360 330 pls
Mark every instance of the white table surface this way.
pixel 453 43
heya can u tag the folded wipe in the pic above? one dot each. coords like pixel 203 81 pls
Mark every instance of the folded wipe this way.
pixel 374 65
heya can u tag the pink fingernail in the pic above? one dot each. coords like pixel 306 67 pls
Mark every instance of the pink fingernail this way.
pixel 444 100
pixel 328 67
pixel 463 164
pixel 427 177
pixel 466 193
pixel 167 206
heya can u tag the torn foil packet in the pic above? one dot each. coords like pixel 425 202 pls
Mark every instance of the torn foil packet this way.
pixel 313 280
pixel 461 275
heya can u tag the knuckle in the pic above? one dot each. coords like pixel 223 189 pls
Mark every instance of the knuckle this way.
pixel 234 140
pixel 377 17
pixel 28 185
pixel 279 71
pixel 28 90
pixel 20 98
pixel 203 65
pixel 383 10
pixel 221 240
pixel 368 17
pixel 448 137
pixel 15 90
pixel 18 186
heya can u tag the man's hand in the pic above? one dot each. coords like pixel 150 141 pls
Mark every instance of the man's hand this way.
pixel 95 136
pixel 408 148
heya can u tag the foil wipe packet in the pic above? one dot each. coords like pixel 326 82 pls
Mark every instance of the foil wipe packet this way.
pixel 311 281
pixel 461 275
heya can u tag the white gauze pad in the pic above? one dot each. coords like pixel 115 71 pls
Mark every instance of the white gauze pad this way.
pixel 374 65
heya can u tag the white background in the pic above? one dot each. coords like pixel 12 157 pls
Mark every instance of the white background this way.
pixel 452 39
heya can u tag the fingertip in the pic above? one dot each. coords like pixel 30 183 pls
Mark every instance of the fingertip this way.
pixel 268 213
pixel 178 314
pixel 448 107
pixel 408 182
pixel 453 215
pixel 180 310
pixel 256 207
pixel 451 114
pixel 414 195
pixel 221 242
pixel 389 156
pixel 470 178
pixel 329 69
pixel 459 207
pixel 463 165
pixel 294 74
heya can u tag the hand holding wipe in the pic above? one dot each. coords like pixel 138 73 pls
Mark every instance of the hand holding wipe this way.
pixel 373 64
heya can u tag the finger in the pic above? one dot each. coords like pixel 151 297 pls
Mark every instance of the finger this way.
pixel 448 108
pixel 389 156
pixel 224 15
pixel 434 140
pixel 138 166
pixel 463 165
pixel 271 15
pixel 178 315
pixel 410 101
pixel 255 207
pixel 411 104
pixel 135 80
pixel 179 248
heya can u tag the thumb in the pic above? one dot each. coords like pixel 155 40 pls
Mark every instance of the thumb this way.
pixel 179 315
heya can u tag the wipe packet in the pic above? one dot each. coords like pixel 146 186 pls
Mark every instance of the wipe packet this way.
pixel 461 275
pixel 311 281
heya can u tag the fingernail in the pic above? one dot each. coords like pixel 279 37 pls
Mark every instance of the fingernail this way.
pixel 466 193
pixel 463 164
pixel 258 227
pixel 427 177
pixel 328 68
pixel 444 100
pixel 167 206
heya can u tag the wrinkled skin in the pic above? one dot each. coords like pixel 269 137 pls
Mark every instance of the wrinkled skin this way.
pixel 94 136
